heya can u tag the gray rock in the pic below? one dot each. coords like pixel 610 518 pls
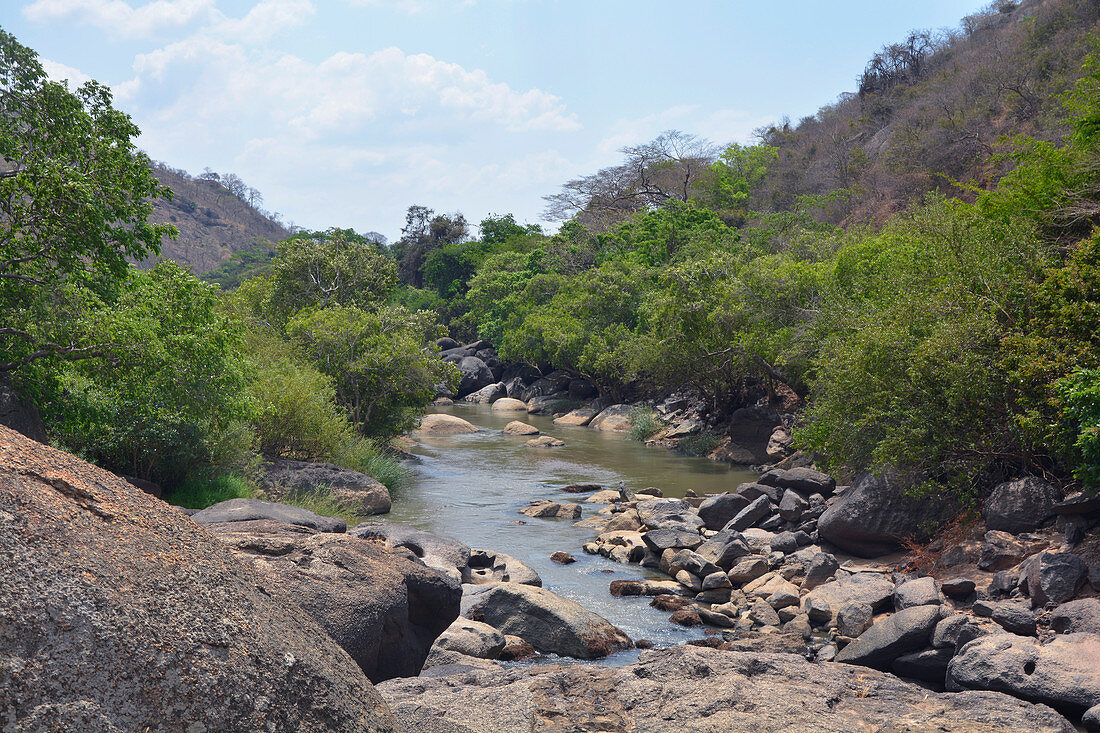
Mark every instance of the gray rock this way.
pixel 692 688
pixel 917 592
pixel 1062 673
pixel 656 513
pixel 1054 577
pixel 763 613
pixel 247 510
pixel 475 374
pixel 875 514
pixel 694 563
pixel 804 480
pixel 1001 550
pixel 759 508
pixel 1014 616
pixel 471 638
pixel 1020 505
pixel 487 395
pixel 615 418
pixel 785 542
pixel 355 491
pixel 818 611
pixel 552 509
pixel 853 618
pixel 792 505
pixel 748 569
pixel 547 621
pixel 753 490
pixel 724 549
pixel 905 631
pixel 821 568
pixel 118 613
pixel 1003 582
pixel 957 587
pixel 870 588
pixel 1076 616
pixel 947 631
pixel 929 665
pixel 488 566
pixel 659 540
pixel 442 553
pixel 717 511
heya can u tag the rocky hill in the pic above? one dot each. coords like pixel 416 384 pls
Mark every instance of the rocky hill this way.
pixel 213 222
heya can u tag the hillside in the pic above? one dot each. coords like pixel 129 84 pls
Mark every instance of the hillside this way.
pixel 213 223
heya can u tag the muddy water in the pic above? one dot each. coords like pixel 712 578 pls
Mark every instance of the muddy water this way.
pixel 471 487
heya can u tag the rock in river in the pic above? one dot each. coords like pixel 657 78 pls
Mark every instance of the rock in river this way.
pixel 905 631
pixel 439 424
pixel 615 418
pixel 518 427
pixel 118 613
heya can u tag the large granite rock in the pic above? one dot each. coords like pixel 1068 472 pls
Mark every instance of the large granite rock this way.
pixel 442 553
pixel 1082 615
pixel 487 395
pixel 1054 577
pixel 717 511
pixel 1020 505
pixel 356 491
pixel 475 374
pixel 874 515
pixel 1062 673
pixel 549 622
pixel 889 638
pixel 437 424
pixel 118 613
pixel 691 688
pixel 249 510
pixel 383 606
pixel 612 419
pixel 873 589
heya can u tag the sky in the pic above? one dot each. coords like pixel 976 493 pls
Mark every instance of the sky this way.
pixel 345 112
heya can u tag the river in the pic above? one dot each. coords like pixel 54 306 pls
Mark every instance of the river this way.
pixel 471 487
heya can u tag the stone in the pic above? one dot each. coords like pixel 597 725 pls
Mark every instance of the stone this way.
pixel 659 540
pixel 472 638
pixel 552 509
pixel 821 569
pixel 518 427
pixel 438 424
pixel 1003 582
pixel 693 563
pixel 688 580
pixel 687 616
pixel 762 613
pixel 118 613
pixel 888 638
pixel 516 649
pixel 792 505
pixel 1020 505
pixel 488 566
pixel 717 511
pixel 874 515
pixel 624 521
pixel 562 558
pixel 1014 616
pixel 714 618
pixel 694 688
pixel 1001 550
pixel 957 587
pixel 804 480
pixel 870 588
pixel 668 513
pixel 724 549
pixel 818 611
pixel 509 404
pixel 446 342
pixel 669 602
pixel 544 441
pixel 852 619
pixel 1054 577
pixel 615 418
pixel 716 580
pixel 1082 615
pixel 929 665
pixel 779 444
pixel 748 569
pixel 475 374
pixel 353 490
pixel 549 622
pixel 752 490
pixel 917 592
pixel 442 553
pixel 785 542
pixel 246 510
pixel 487 395
pixel 1062 673
pixel 575 418
pixel 948 630
pixel 759 508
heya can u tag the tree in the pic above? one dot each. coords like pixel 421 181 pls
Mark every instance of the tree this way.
pixel 424 232
pixel 74 197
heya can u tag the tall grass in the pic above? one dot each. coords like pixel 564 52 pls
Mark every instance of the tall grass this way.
pixel 321 501
pixel 199 493
pixel 644 423
pixel 699 444
pixel 365 457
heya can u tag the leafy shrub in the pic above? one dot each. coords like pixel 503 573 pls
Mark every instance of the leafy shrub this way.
pixel 644 423
pixel 698 444
pixel 199 492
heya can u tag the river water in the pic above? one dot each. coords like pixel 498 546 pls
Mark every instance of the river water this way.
pixel 471 487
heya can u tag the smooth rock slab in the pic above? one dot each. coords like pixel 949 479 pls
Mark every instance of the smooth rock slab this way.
pixel 1077 616
pixel 471 638
pixel 247 510
pixel 695 689
pixel 544 441
pixel 564 510
pixel 613 419
pixel 549 622
pixel 576 418
pixel 905 631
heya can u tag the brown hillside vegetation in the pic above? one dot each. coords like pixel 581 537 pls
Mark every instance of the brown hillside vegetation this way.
pixel 935 108
pixel 213 223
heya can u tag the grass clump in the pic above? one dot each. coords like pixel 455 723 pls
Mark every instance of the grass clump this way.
pixel 644 423
pixel 365 456
pixel 321 501
pixel 699 444
pixel 200 492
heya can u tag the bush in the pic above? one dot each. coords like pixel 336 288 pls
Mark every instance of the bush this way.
pixel 699 444
pixel 199 492
pixel 644 423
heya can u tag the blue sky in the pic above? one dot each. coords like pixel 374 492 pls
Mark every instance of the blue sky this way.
pixel 345 112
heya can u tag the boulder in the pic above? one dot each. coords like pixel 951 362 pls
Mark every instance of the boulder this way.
pixel 437 424
pixel 442 553
pixel 693 688
pixel 853 618
pixel 118 613
pixel 822 567
pixel 1015 617
pixel 803 480
pixel 544 441
pixel 552 509
pixel 792 505
pixel 958 587
pixel 1001 550
pixel 949 630
pixel 757 509
pixel 475 374
pixel 246 510
pixel 548 622
pixel 660 540
pixel 487 395
pixel 353 490
pixel 508 404
pixel 562 558
pixel 747 570
pixel 929 665
pixel 487 566
pixel 724 549
pixel 612 419
pixel 446 342
pixel 518 427
pixel 383 606
pixel 889 638
pixel 750 431
pixel 785 542
pixel 917 592
pixel 1020 505
pixel 1054 577
pixel 576 418
pixel 1076 616
pixel 717 511
pixel 544 405
pixel 1062 673
pixel 874 515
pixel 472 638
pixel 870 588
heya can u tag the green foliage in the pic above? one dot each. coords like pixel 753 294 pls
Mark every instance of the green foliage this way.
pixel 1080 396
pixel 199 492
pixel 241 265
pixel 698 444
pixel 736 176
pixel 644 423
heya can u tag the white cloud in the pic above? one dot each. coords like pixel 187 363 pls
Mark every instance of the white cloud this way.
pixel 61 72
pixel 119 17
pixel 411 6
pixel 265 20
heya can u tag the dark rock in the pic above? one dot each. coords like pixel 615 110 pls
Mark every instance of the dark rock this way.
pixel 669 513
pixel 687 616
pixel 475 374
pixel 118 613
pixel 1062 673
pixel 748 569
pixel 717 511
pixel 905 631
pixel 1082 615
pixel 750 515
pixel 1001 550
pixel 563 558
pixel 713 618
pixel 355 491
pixel 1015 617
pixel 929 665
pixel 694 688
pixel 621 588
pixel 487 395
pixel 818 611
pixel 874 515
pixel 446 343
pixel 792 505
pixel 771 523
pixel 1003 582
pixel 472 638
pixel 694 563
pixel 669 602
pixel 149 487
pixel 1020 505
pixel 442 553
pixel 659 540
pixel 853 618
pixel 763 613
pixel 947 631
pixel 753 490
pixel 724 549
pixel 957 587
pixel 803 480
pixel 785 542
pixel 917 592
pixel 821 568
pixel 1078 503
pixel 1054 577
pixel 18 413
pixel 548 621
pixel 516 649
pixel 244 510
pixel 582 389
